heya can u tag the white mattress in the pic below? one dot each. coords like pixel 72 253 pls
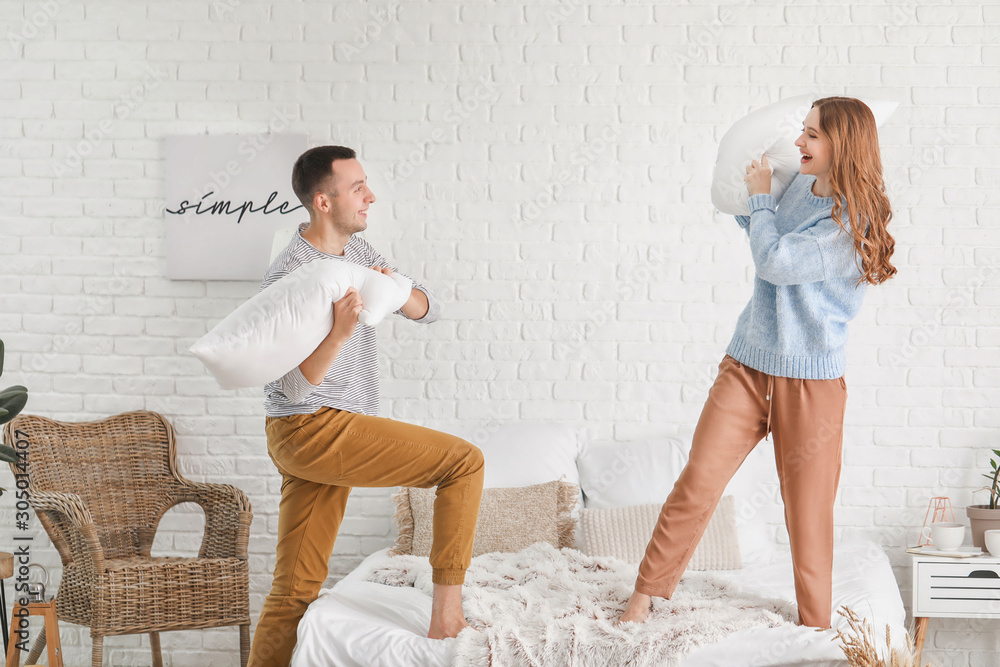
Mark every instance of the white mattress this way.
pixel 362 624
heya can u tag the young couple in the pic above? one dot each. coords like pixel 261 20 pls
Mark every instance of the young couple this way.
pixel 782 374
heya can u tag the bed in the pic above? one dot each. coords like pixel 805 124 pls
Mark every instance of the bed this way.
pixel 531 605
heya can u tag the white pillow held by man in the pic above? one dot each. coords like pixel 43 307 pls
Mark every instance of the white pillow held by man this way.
pixel 275 331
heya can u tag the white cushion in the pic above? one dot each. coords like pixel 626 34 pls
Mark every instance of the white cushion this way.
pixel 630 473
pixel 624 532
pixel 274 331
pixel 771 130
pixel 528 453
pixel 637 473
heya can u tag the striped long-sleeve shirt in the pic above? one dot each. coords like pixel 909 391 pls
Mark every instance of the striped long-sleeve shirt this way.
pixel 352 382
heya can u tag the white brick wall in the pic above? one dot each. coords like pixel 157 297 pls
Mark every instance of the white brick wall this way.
pixel 544 167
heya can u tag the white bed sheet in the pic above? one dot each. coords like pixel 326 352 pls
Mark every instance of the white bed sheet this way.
pixel 362 624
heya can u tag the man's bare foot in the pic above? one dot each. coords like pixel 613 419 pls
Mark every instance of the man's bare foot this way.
pixel 637 609
pixel 447 617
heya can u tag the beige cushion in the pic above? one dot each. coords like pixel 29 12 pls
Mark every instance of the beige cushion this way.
pixel 510 519
pixel 624 532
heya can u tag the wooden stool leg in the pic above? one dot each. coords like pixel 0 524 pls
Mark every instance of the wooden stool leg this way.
pixel 3 616
pixel 37 647
pixel 52 633
pixel 918 639
pixel 154 642
pixel 13 649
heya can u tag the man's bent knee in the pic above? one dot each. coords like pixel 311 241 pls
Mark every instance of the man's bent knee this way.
pixel 474 458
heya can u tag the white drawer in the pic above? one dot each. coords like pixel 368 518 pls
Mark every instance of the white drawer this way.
pixel 957 587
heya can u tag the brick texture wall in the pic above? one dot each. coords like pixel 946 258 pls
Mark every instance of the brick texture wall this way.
pixel 545 168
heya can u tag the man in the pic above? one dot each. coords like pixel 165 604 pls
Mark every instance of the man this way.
pixel 323 434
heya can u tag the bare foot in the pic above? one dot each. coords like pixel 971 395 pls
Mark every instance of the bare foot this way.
pixel 447 617
pixel 637 609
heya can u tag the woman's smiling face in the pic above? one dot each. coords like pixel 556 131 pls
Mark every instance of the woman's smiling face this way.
pixel 814 146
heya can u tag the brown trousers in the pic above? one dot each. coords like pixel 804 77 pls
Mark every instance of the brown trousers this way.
pixel 320 457
pixel 806 418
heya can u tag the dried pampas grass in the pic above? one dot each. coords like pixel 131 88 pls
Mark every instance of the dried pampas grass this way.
pixel 862 650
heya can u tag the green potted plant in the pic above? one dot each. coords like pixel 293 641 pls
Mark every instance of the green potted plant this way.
pixel 987 517
pixel 12 400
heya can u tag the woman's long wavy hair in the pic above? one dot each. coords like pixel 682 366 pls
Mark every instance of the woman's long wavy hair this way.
pixel 856 180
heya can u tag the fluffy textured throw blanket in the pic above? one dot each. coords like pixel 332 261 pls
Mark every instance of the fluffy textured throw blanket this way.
pixel 548 607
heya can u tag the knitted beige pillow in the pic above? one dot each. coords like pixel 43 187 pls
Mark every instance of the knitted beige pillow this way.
pixel 510 519
pixel 624 532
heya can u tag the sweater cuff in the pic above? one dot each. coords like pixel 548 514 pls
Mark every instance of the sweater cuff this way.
pixel 760 202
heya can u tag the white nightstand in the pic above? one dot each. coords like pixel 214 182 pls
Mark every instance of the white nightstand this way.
pixel 953 588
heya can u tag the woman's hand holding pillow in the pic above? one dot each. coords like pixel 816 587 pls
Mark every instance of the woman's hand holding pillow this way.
pixel 758 178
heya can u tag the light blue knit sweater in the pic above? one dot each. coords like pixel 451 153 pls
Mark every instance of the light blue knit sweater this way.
pixel 805 291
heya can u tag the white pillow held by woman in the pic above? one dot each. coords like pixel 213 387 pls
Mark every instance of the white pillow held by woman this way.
pixel 771 130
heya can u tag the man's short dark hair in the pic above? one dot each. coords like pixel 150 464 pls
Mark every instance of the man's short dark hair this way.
pixel 313 168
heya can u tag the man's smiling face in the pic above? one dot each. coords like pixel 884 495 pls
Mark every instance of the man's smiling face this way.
pixel 349 196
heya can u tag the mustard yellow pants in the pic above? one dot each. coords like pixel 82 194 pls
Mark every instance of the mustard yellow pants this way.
pixel 806 418
pixel 321 457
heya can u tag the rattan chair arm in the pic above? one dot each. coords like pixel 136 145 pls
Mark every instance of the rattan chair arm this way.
pixel 228 515
pixel 67 509
pixel 67 504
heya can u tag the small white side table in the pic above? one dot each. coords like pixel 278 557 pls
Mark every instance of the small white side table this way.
pixel 953 588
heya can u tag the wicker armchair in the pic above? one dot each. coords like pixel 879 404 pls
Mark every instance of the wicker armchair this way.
pixel 100 489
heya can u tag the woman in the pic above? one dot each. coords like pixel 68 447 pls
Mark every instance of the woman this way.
pixel 783 369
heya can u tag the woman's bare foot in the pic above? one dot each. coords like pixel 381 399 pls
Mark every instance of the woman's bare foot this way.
pixel 637 609
pixel 447 617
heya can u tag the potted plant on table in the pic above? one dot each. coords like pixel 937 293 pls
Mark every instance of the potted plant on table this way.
pixel 987 517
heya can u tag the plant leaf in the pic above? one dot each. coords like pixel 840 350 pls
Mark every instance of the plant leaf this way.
pixel 12 401
pixel 8 454
pixel 13 389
